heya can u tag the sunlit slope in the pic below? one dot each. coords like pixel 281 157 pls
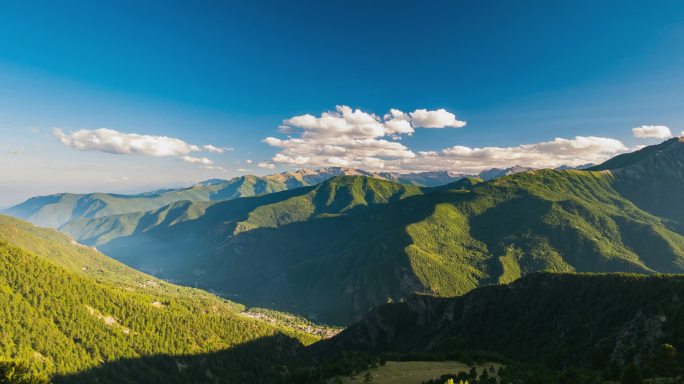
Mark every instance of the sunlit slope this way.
pixel 653 178
pixel 340 248
pixel 56 210
pixel 66 308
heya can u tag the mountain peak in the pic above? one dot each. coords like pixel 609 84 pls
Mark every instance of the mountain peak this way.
pixel 628 159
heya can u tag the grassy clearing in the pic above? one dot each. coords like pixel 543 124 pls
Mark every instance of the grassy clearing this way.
pixel 413 372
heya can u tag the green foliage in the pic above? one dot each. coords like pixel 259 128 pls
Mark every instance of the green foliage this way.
pixel 562 320
pixel 336 250
pixel 17 372
pixel 65 308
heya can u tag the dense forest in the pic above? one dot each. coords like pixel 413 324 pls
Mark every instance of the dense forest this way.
pixel 66 308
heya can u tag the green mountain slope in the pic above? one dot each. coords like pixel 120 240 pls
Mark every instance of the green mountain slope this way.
pixel 66 308
pixel 56 210
pixel 562 320
pixel 653 178
pixel 337 250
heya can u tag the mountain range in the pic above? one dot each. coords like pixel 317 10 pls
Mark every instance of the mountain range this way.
pixel 503 268
pixel 56 210
pixel 70 314
pixel 335 250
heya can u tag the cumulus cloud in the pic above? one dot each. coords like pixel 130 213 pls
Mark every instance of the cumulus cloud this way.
pixel 197 160
pixel 111 141
pixel 440 118
pixel 549 154
pixel 354 138
pixel 652 131
pixel 350 137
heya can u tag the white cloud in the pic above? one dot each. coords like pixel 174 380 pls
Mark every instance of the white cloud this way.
pixel 214 168
pixel 353 138
pixel 440 118
pixel 266 165
pixel 652 131
pixel 249 161
pixel 681 134
pixel 111 141
pixel 213 149
pixel 549 154
pixel 197 160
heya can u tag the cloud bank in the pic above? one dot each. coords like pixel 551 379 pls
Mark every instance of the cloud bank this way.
pixel 652 131
pixel 550 154
pixel 354 138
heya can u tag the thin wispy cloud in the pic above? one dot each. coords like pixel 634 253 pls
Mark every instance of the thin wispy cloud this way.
pixel 197 160
pixel 213 149
pixel 266 165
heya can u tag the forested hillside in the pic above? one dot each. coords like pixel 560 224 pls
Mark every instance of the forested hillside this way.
pixel 590 321
pixel 56 210
pixel 67 308
pixel 338 249
pixel 59 209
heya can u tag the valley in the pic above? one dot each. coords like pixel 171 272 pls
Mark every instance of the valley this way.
pixel 335 250
pixel 364 270
pixel 341 192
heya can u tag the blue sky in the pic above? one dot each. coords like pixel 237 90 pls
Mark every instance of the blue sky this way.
pixel 229 73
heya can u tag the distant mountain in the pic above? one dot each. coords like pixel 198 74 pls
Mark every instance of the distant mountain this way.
pixel 340 248
pixel 562 320
pixel 422 179
pixel 495 173
pixel 56 210
pixel 65 308
pixel 577 167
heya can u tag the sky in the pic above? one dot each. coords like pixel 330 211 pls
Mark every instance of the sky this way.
pixel 132 96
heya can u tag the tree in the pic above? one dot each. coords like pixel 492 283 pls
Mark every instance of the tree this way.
pixel 16 372
pixel 665 359
pixel 473 373
pixel 631 375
